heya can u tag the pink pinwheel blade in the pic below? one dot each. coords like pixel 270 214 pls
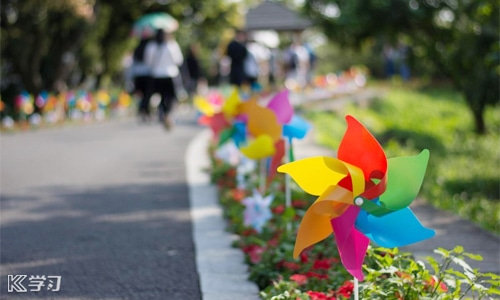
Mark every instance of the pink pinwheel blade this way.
pixel 281 106
pixel 351 243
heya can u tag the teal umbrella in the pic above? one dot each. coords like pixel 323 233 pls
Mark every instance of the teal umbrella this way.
pixel 148 24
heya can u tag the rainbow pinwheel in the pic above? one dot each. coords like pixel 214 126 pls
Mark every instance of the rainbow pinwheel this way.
pixel 363 196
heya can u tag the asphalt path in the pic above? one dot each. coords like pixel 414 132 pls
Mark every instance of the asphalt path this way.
pixel 104 206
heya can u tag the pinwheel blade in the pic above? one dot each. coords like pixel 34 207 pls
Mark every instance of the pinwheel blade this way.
pixel 397 229
pixel 281 106
pixel 315 174
pixel 230 107
pixel 296 128
pixel 261 147
pixel 276 159
pixel 404 179
pixel 359 148
pixel 351 243
pixel 261 120
pixel 312 229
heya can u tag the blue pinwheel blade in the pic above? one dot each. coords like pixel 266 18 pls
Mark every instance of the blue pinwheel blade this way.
pixel 296 128
pixel 239 133
pixel 397 229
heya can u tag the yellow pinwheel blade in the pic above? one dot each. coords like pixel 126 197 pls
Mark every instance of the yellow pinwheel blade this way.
pixel 204 106
pixel 315 174
pixel 261 147
pixel 230 108
pixel 315 225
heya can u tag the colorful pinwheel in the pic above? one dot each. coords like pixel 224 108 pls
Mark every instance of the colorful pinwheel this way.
pixel 362 197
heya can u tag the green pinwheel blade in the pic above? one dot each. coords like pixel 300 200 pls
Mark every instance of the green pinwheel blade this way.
pixel 225 135
pixel 404 179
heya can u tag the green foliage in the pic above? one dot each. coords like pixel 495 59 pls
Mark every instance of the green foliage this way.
pixel 394 275
pixel 54 44
pixel 433 29
pixel 463 170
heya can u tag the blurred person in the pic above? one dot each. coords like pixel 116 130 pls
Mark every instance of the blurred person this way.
pixel 257 63
pixel 141 76
pixel 164 57
pixel 296 59
pixel 193 69
pixel 237 52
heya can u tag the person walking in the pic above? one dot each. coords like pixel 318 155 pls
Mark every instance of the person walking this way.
pixel 237 51
pixel 141 75
pixel 164 57
pixel 193 68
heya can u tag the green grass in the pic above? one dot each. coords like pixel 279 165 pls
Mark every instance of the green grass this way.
pixel 463 175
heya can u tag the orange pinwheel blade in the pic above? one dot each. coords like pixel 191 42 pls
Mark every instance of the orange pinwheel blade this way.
pixel 316 223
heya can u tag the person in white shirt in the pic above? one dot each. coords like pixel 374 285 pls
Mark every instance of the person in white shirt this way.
pixel 164 57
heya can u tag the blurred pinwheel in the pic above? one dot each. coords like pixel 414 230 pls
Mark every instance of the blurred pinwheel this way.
pixel 362 197
pixel 257 210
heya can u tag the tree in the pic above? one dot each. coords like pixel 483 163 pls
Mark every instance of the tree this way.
pixel 39 38
pixel 459 37
pixel 44 42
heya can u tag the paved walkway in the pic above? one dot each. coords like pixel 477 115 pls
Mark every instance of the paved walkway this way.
pixel 221 268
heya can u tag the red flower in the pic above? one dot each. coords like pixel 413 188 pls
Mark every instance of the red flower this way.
pixel 278 210
pixel 238 194
pixel 291 265
pixel 274 242
pixel 299 203
pixel 317 275
pixel 303 257
pixel 299 279
pixel 321 264
pixel 442 286
pixel 254 252
pixel 249 231
pixel 404 275
pixel 319 296
pixel 346 289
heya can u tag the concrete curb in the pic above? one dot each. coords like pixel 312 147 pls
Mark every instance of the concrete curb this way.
pixel 221 269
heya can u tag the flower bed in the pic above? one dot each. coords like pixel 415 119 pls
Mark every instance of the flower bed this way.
pixel 318 272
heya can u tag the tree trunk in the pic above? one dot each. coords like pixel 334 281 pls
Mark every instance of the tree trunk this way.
pixel 479 121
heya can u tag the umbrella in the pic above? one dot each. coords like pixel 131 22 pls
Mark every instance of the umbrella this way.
pixel 148 24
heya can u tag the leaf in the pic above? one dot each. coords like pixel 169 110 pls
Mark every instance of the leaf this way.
pixel 473 256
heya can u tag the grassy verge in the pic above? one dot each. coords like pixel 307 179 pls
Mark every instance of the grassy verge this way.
pixel 463 175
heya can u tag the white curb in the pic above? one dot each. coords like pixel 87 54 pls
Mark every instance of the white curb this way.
pixel 221 268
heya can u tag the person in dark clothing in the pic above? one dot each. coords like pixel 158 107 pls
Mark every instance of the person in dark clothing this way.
pixel 237 51
pixel 193 69
pixel 141 74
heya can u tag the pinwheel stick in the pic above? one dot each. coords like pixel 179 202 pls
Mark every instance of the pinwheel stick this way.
pixel 288 191
pixel 262 177
pixel 356 292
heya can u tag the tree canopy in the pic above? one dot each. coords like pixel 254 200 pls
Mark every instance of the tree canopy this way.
pixel 54 44
pixel 459 37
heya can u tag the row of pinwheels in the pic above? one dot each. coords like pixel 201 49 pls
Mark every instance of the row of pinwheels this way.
pixel 362 195
pixel 66 105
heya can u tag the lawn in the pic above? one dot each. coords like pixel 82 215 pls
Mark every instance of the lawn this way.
pixel 463 174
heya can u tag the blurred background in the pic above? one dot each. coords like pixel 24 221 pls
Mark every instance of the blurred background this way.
pixel 53 46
